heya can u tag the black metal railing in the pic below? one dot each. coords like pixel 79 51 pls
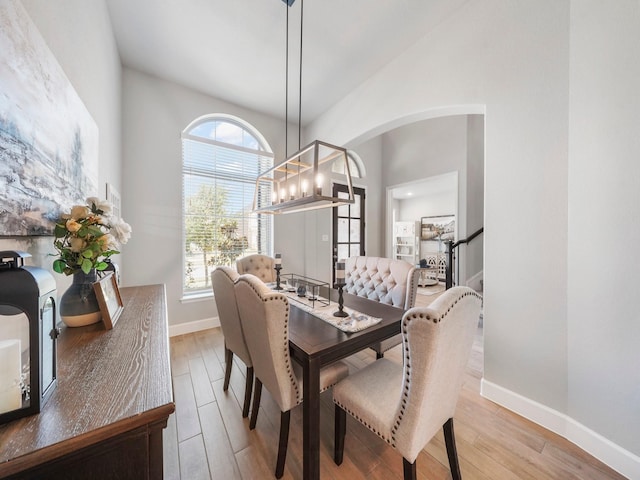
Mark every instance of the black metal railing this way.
pixel 451 248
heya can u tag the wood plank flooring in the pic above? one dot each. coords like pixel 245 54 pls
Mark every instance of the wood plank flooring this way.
pixel 207 438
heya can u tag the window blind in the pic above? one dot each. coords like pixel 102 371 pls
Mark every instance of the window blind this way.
pixel 218 195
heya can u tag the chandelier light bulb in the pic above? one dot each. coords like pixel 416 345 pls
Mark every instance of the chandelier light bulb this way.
pixel 319 180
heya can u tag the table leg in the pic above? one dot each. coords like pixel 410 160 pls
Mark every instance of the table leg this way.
pixel 311 420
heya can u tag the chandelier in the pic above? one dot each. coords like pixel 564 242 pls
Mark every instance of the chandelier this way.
pixel 301 181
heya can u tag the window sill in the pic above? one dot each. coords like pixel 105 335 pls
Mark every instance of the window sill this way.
pixel 196 297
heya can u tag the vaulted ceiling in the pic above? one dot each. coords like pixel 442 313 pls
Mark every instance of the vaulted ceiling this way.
pixel 234 50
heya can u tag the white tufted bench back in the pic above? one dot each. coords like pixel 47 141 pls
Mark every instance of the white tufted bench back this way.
pixel 384 280
pixel 261 266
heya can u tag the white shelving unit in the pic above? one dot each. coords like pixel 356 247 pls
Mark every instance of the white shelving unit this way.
pixel 406 240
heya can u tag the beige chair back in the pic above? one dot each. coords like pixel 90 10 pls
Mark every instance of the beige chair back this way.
pixel 265 318
pixel 394 282
pixel 261 266
pixel 437 342
pixel 222 281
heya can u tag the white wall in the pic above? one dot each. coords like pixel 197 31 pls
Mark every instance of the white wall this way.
pixel 559 348
pixel 604 181
pixel 80 37
pixel 426 149
pixel 474 251
pixel 514 58
pixel 524 84
pixel 427 205
pixel 155 112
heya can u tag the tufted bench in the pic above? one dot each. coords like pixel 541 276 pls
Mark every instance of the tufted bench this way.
pixel 384 280
pixel 262 266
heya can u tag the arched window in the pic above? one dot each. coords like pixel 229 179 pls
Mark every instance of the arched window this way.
pixel 356 167
pixel 221 158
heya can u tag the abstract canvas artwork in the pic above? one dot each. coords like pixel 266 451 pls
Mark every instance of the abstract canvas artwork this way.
pixel 48 140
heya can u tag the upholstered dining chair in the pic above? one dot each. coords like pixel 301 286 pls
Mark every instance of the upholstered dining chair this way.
pixel 265 314
pixel 421 394
pixel 385 280
pixel 262 266
pixel 222 281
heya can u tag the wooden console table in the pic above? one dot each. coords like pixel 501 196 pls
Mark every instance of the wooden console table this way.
pixel 113 398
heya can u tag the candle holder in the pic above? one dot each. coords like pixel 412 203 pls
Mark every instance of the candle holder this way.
pixel 28 323
pixel 340 312
pixel 278 268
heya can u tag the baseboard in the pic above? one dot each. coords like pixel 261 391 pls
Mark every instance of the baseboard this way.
pixel 603 449
pixel 616 457
pixel 195 326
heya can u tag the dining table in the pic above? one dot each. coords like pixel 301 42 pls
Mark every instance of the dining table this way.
pixel 315 343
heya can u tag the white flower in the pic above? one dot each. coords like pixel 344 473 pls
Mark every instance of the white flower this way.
pixel 77 244
pixel 78 212
pixel 121 231
pixel 102 205
pixel 110 242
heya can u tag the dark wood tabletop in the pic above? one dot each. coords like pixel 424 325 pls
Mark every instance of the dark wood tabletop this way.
pixel 110 382
pixel 315 343
pixel 312 336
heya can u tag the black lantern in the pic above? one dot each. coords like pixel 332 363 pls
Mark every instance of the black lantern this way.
pixel 28 334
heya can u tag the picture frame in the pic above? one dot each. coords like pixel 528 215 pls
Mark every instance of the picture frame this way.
pixel 438 228
pixel 109 299
pixel 113 197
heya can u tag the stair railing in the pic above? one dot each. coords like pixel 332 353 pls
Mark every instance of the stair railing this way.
pixel 451 247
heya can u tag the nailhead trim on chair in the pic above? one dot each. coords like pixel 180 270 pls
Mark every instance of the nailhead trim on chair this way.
pixel 405 394
pixel 411 290
pixel 227 274
pixel 407 363
pixel 283 298
pixel 354 415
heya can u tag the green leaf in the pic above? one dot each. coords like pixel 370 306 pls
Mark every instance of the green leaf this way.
pixel 101 266
pixel 58 266
pixel 88 253
pixel 59 231
pixel 87 265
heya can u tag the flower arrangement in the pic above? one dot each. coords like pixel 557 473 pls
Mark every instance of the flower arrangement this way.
pixel 88 236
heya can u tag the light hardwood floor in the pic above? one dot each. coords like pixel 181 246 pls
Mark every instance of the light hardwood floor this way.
pixel 207 438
